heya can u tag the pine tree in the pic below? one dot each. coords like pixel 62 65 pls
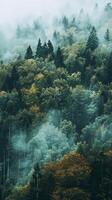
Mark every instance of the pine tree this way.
pixel 11 80
pixel 29 53
pixel 50 50
pixel 65 22
pixel 108 9
pixel 50 47
pixel 73 22
pixel 108 70
pixel 34 183
pixel 39 50
pixel 14 77
pixel 44 50
pixel 59 60
pixel 107 35
pixel 93 40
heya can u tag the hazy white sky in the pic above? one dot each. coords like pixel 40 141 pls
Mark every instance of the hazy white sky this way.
pixel 15 10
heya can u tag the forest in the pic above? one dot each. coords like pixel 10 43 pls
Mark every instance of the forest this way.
pixel 56 111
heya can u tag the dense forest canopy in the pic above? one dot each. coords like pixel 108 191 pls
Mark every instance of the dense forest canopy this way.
pixel 56 107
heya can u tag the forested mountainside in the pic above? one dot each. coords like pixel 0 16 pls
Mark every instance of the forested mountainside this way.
pixel 56 113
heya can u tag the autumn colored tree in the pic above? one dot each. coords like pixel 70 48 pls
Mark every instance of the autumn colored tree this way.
pixel 66 177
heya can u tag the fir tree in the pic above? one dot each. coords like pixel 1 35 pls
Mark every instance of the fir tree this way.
pixel 107 35
pixel 50 50
pixel 39 50
pixel 108 9
pixel 50 47
pixel 108 73
pixel 93 40
pixel 11 80
pixel 14 77
pixel 65 22
pixel 44 50
pixel 29 53
pixel 59 60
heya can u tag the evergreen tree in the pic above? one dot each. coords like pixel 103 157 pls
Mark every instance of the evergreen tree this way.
pixel 34 183
pixel 44 50
pixel 11 80
pixel 108 9
pixel 55 35
pixel 107 35
pixel 29 53
pixel 65 22
pixel 93 40
pixel 14 77
pixel 73 22
pixel 59 60
pixel 39 50
pixel 108 72
pixel 50 50
pixel 50 47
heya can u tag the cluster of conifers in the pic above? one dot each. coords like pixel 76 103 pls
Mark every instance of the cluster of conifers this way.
pixel 44 51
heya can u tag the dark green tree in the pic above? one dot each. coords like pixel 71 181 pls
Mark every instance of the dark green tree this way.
pixel 11 80
pixel 107 35
pixel 34 183
pixel 44 50
pixel 59 60
pixel 50 47
pixel 14 77
pixel 39 50
pixel 29 53
pixel 73 22
pixel 108 69
pixel 93 40
pixel 50 50
pixel 65 22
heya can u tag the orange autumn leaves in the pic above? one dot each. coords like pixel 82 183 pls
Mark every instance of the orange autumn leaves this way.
pixel 71 165
pixel 70 175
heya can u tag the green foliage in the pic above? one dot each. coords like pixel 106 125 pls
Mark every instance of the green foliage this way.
pixel 93 41
pixel 76 81
pixel 71 194
pixel 59 60
pixel 107 35
pixel 43 51
pixel 50 47
pixel 39 49
pixel 108 69
pixel 20 193
pixel 66 177
pixel 82 107
pixel 65 22
pixel 29 53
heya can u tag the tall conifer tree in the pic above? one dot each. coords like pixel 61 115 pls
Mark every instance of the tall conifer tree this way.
pixel 29 53
pixel 59 60
pixel 93 40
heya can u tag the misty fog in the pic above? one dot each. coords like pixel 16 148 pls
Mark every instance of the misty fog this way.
pixel 48 143
pixel 39 18
pixel 14 11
